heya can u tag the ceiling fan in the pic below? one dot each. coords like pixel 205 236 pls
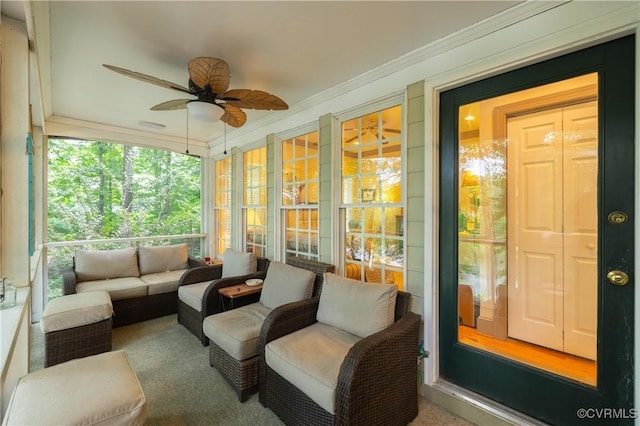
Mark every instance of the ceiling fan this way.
pixel 209 81
pixel 372 128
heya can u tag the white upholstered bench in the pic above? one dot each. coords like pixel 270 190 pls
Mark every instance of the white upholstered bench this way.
pixel 100 389
pixel 76 325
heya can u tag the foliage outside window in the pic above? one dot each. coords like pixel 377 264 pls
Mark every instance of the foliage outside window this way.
pixel 99 190
pixel 255 200
pixel 222 205
pixel 300 195
pixel 372 198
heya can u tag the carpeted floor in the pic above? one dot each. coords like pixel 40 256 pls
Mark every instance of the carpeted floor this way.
pixel 182 389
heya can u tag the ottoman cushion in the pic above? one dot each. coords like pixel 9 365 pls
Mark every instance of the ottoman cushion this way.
pixel 101 389
pixel 75 310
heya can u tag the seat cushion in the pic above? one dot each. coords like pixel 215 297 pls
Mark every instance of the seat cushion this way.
pixel 191 294
pixel 163 282
pixel 356 307
pixel 118 288
pixel 104 264
pixel 101 389
pixel 154 259
pixel 75 310
pixel 237 263
pixel 285 284
pixel 310 359
pixel 237 331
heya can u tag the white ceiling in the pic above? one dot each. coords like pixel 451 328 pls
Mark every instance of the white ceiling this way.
pixel 293 49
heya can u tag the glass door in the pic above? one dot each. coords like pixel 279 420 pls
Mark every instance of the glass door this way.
pixel 540 233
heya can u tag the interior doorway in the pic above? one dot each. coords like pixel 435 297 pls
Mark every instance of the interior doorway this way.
pixel 552 245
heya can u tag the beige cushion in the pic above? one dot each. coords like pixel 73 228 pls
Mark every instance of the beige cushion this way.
pixel 103 264
pixel 118 288
pixel 163 282
pixel 286 284
pixel 356 307
pixel 237 263
pixel 153 259
pixel 237 331
pixel 75 310
pixel 191 294
pixel 101 389
pixel 310 359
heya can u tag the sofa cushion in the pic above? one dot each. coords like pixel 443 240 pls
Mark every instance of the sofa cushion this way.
pixel 118 288
pixel 75 310
pixel 310 359
pixel 96 390
pixel 163 282
pixel 192 294
pixel 285 284
pixel 154 259
pixel 356 307
pixel 238 263
pixel 104 264
pixel 237 331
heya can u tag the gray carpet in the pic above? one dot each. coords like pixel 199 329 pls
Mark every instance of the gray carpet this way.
pixel 182 389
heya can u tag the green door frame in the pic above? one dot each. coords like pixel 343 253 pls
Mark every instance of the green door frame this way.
pixel 537 393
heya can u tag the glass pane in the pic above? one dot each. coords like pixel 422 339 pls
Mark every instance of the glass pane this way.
pixel 528 227
pixel 372 176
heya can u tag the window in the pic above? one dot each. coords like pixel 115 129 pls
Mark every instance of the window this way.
pixel 222 205
pixel 372 200
pixel 300 195
pixel 255 200
pixel 98 190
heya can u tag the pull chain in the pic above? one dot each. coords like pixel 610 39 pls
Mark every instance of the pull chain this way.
pixel 187 130
pixel 225 138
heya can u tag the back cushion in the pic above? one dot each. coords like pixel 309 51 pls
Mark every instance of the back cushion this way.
pixel 286 284
pixel 356 307
pixel 163 258
pixel 103 264
pixel 238 263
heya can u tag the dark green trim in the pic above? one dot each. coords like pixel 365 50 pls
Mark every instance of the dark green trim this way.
pixel 542 395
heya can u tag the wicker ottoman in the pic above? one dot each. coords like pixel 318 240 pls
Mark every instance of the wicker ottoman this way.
pixel 76 325
pixel 101 389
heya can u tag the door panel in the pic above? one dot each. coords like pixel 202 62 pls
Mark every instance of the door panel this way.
pixel 534 175
pixel 474 234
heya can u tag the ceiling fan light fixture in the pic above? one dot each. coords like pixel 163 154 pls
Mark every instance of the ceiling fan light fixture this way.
pixel 204 111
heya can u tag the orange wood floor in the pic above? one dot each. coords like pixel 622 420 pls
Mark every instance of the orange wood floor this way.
pixel 571 366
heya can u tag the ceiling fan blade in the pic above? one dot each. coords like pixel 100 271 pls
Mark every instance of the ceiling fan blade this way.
pixel 171 105
pixel 147 78
pixel 355 137
pixel 254 99
pixel 212 72
pixel 233 116
pixel 392 131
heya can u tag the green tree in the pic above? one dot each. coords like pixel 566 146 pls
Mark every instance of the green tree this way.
pixel 99 190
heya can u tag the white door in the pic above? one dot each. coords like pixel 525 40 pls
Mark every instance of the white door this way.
pixel 552 205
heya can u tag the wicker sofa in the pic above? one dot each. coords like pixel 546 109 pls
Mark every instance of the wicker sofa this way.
pixel 142 282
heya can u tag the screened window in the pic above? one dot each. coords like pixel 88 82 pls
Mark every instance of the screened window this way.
pixel 222 205
pixel 255 200
pixel 300 195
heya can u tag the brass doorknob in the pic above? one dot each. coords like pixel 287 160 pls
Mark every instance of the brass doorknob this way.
pixel 617 277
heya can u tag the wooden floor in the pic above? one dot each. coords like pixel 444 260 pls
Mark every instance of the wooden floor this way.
pixel 576 368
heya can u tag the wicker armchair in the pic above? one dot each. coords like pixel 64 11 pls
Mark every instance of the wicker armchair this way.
pixel 192 318
pixel 242 374
pixel 376 383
